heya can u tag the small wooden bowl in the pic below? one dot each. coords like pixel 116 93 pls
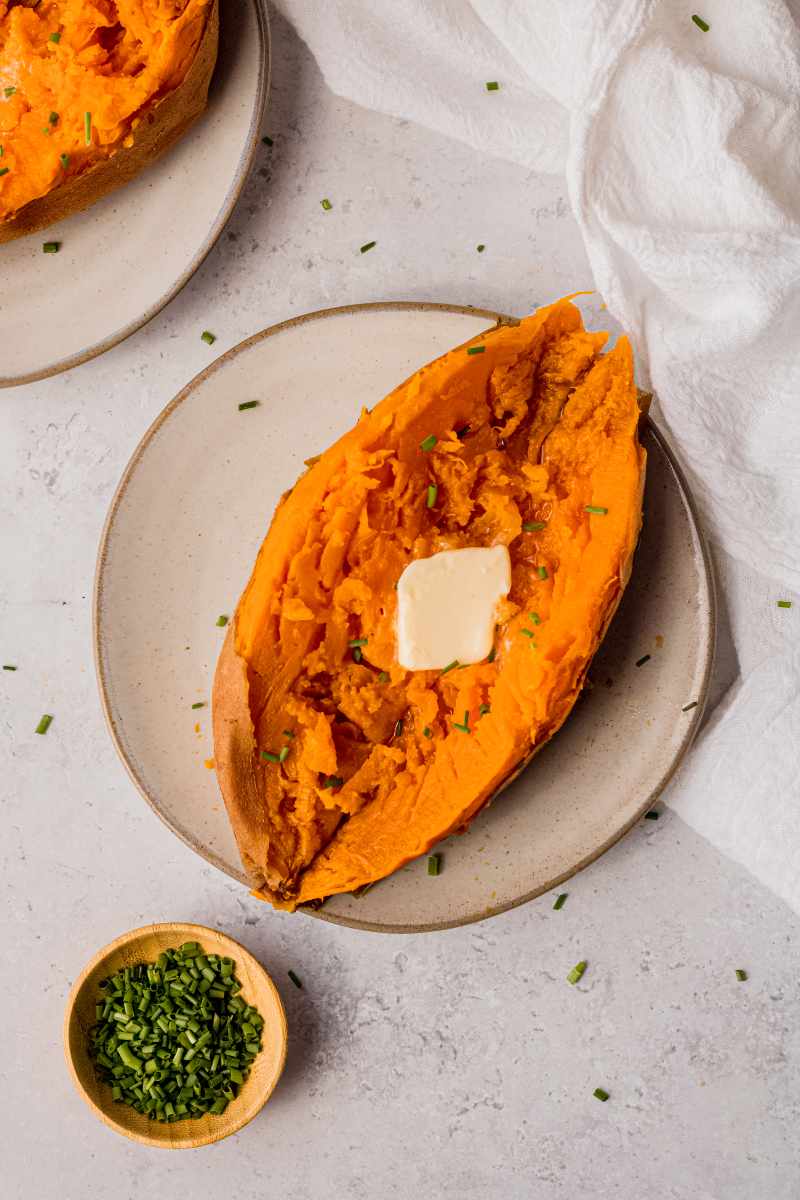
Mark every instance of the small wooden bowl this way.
pixel 144 945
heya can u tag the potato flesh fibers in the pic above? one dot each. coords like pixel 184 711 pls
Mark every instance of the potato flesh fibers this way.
pixel 112 60
pixel 532 430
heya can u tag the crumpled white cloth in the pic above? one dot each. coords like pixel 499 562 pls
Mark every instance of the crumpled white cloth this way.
pixel 681 152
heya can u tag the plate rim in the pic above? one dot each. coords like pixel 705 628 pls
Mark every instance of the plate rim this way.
pixel 214 859
pixel 224 212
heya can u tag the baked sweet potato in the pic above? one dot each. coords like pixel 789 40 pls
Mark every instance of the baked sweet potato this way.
pixel 92 92
pixel 337 766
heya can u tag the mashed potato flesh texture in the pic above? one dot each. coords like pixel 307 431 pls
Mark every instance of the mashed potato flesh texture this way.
pixel 530 431
pixel 62 59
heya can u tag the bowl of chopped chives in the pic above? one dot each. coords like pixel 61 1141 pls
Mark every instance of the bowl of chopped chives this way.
pixel 175 1035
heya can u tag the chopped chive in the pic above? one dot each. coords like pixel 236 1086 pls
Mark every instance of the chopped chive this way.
pixel 53 118
pixel 398 727
pixel 464 725
pixel 87 128
pixel 267 141
pixel 432 493
pixel 532 526
pixel 2 151
pixel 333 781
pixel 4 170
pixel 9 91
pixel 383 677
pixel 577 971
pixel 741 975
pixel 700 23
pixel 641 661
pixel 493 86
pixel 492 655
pixel 208 337
pixel 484 709
pixel 600 1094
pixel 199 704
pixel 480 247
pixel 427 732
pixel 295 979
pixel 689 707
pixel 429 442
pixel 358 642
pixel 284 754
pixel 55 37
pixel 64 159
pixel 537 620
pixel 367 246
pixel 560 901
pixel 287 733
pixel 222 620
pixel 476 349
pixel 326 204
pixel 357 655
pixel 9 667
pixel 542 572
pixel 527 633
pixel 51 247
pixel 651 816
pixel 44 724
pixel 249 404
pixel 784 603
pixel 450 667
pixel 595 508
pixel 268 756
pixel 433 863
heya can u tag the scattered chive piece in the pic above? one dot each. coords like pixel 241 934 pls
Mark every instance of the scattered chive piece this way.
pixel 492 655
pixel 429 442
pixel 464 726
pixel 427 732
pixel 600 1094
pixel 577 971
pixel 295 979
pixel 222 620
pixel 700 23
pixel 284 754
pixel 741 975
pixel 784 603
pixel 528 633
pixel 689 707
pixel 8 667
pixel 288 733
pixel 199 704
pixel 208 337
pixel 333 781
pixel 367 246
pixel 326 204
pixel 476 349
pixel 64 158
pixel 267 141
pixel 493 86
pixel 249 404
pixel 484 709
pixel 433 492
pixel 542 572
pixel 9 91
pixel 358 642
pixel 269 757
pixel 51 247
pixel 532 526
pixel 641 661
pixel 595 508
pixel 44 724
pixel 383 677
pixel 2 151
pixel 357 655
pixel 433 863
pixel 398 728
pixel 560 901
pixel 55 37
pixel 537 620
pixel 651 816
pixel 87 128
pixel 450 667
pixel 480 248
pixel 4 170
pixel 53 118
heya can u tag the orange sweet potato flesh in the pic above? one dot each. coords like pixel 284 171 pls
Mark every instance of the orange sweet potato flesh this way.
pixel 141 68
pixel 533 429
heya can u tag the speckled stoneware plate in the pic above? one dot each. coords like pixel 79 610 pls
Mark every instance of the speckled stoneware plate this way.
pixel 178 546
pixel 126 257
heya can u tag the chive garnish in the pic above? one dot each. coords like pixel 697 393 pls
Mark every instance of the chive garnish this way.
pixel 429 442
pixel 44 724
pixel 464 725
pixel 450 667
pixel 199 704
pixel 383 677
pixel 267 141
pixel 64 159
pixel 357 655
pixel 689 707
pixel 295 979
pixel 358 642
pixel 51 247
pixel 326 204
pixel 55 37
pixel 475 349
pixel 480 247
pixel 784 603
pixel 493 86
pixel 741 975
pixel 427 732
pixel 2 151
pixel 595 508
pixel 542 572
pixel 4 170
pixel 532 526
pixel 432 493
pixel 367 246
pixel 268 756
pixel 222 620
pixel 641 661
pixel 53 118
pixel 700 23
pixel 9 91
pixel 484 709
pixel 398 727
pixel 87 128
pixel 537 620
pixel 9 667
pixel 528 633
pixel 208 337
pixel 249 404
pixel 433 863
pixel 284 754
pixel 600 1094
pixel 333 781
pixel 560 901
pixel 651 816
pixel 577 971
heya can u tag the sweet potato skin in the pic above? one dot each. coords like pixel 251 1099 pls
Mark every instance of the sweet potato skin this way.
pixel 399 793
pixel 159 127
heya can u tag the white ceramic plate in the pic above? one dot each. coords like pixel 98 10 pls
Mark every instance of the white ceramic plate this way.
pixel 181 538
pixel 124 258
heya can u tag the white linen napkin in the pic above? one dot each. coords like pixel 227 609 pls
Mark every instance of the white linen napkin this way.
pixel 681 151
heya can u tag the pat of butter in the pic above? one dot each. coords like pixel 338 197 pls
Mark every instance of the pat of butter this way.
pixel 446 606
